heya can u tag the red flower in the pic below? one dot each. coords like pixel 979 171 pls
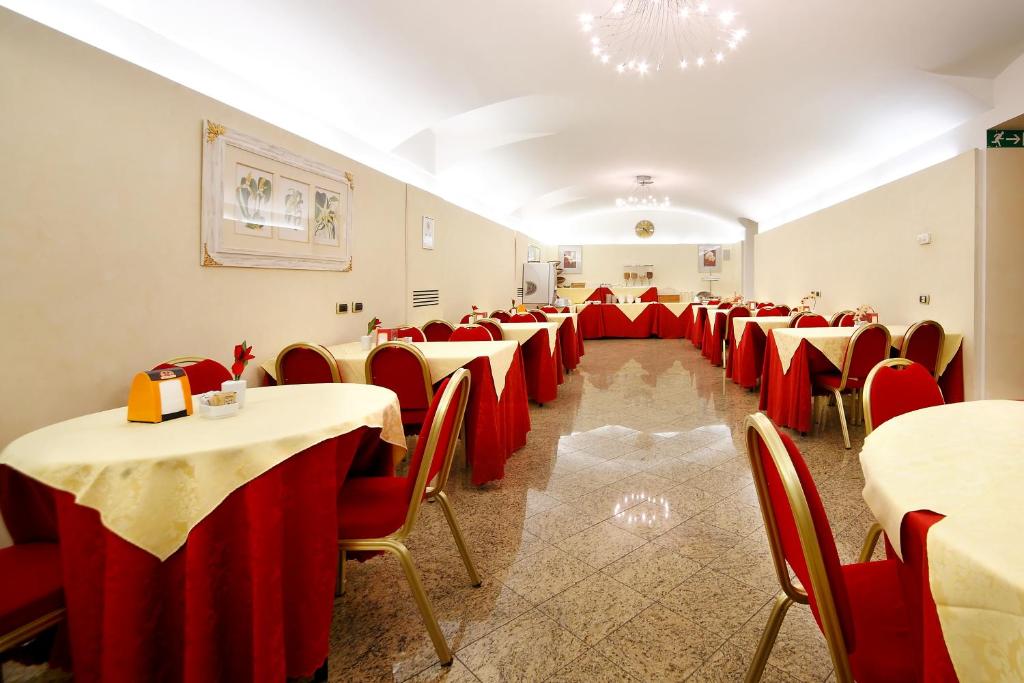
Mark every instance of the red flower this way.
pixel 243 354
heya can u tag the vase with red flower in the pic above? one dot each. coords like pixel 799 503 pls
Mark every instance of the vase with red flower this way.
pixel 242 356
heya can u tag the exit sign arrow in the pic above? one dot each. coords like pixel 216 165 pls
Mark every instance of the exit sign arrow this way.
pixel 1006 138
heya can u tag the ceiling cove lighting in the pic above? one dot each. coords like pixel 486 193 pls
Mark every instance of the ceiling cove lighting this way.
pixel 644 37
pixel 642 196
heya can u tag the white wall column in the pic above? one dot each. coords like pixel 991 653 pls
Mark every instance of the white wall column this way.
pixel 747 279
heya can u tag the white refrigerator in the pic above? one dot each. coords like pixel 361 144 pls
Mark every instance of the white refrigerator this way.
pixel 538 283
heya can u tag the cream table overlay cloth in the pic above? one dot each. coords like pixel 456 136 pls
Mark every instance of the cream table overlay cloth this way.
pixel 833 342
pixel 696 310
pixel 443 358
pixel 964 461
pixel 152 483
pixel 560 318
pixel 768 322
pixel 577 294
pixel 522 332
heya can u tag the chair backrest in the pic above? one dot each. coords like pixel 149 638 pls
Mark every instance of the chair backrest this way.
pixel 923 344
pixel 402 368
pixel 839 318
pixel 809 320
pixel 724 307
pixel 465 318
pixel 492 326
pixel 799 536
pixel 765 304
pixel 409 331
pixel 203 374
pixel 868 347
pixel 539 316
pixel 304 363
pixel 734 312
pixel 522 318
pixel 772 311
pixel 437 330
pixel 897 386
pixel 471 333
pixel 501 316
pixel 549 309
pixel 565 309
pixel 431 460
pixel 713 302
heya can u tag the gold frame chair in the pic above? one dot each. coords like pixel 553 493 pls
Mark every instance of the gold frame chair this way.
pixel 493 321
pixel 394 543
pixel 837 393
pixel 435 321
pixel 837 317
pixel 758 424
pixel 26 632
pixel 317 348
pixel 542 313
pixel 794 318
pixel 471 326
pixel 428 383
pixel 871 540
pixel 942 341
pixel 184 360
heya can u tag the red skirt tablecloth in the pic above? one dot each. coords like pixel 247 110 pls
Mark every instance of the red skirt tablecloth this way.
pixel 571 344
pixel 247 598
pixel 714 331
pixel 544 371
pixel 786 397
pixel 697 327
pixel 743 365
pixel 598 321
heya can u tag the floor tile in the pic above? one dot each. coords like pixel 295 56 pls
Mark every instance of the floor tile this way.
pixel 652 570
pixel 529 648
pixel 594 607
pixel 601 544
pixel 544 574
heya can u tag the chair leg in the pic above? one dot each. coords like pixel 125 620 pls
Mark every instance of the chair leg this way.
pixel 868 549
pixel 767 642
pixel 444 653
pixel 842 418
pixel 339 582
pixel 453 524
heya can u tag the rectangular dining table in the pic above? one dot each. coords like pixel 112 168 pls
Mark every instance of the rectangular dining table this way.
pixel 200 550
pixel 542 357
pixel 497 412
pixel 793 356
pixel 569 338
pixel 744 362
pixel 634 321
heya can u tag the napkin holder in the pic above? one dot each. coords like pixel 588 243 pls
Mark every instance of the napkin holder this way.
pixel 159 395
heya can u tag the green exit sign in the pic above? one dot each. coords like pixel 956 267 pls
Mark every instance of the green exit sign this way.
pixel 1006 138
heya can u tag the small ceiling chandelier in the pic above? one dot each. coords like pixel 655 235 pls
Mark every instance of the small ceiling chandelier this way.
pixel 649 36
pixel 642 197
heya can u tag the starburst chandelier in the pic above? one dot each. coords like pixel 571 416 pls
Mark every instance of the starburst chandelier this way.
pixel 650 36
pixel 642 196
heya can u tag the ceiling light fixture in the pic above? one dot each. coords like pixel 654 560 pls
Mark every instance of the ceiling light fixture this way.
pixel 642 197
pixel 641 36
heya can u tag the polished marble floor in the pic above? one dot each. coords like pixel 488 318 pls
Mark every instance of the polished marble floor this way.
pixel 624 544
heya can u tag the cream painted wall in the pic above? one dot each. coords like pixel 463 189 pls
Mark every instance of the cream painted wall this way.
pixel 1004 273
pixel 675 265
pixel 472 263
pixel 864 251
pixel 99 236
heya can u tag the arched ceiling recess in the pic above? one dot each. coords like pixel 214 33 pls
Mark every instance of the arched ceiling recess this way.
pixel 500 107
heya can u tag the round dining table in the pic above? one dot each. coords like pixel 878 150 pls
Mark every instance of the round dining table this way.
pixel 945 483
pixel 197 549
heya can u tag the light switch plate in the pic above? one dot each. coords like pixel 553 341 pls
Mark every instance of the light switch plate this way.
pixel 924 299
pixel 342 308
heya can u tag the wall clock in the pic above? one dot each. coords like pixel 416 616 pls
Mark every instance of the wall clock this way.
pixel 644 229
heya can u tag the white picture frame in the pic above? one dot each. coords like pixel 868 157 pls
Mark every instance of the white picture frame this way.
pixel 285 234
pixel 533 254
pixel 709 258
pixel 429 228
pixel 570 257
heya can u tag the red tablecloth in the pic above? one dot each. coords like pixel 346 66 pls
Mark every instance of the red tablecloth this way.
pixel 786 397
pixel 544 371
pixel 714 332
pixel 600 294
pixel 929 648
pixel 743 365
pixel 598 321
pixel 571 343
pixel 697 327
pixel 247 598
pixel 495 427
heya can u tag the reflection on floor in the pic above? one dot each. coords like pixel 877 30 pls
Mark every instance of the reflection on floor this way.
pixel 624 543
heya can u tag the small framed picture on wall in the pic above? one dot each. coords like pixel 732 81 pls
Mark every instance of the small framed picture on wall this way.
pixel 428 232
pixel 533 253
pixel 709 258
pixel 570 257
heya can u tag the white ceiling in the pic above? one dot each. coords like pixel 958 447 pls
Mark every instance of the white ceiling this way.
pixel 501 102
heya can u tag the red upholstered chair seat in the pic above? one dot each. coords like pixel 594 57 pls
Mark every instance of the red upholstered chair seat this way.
pixel 882 641
pixel 30 574
pixel 372 507
pixel 437 330
pixel 811 320
pixel 899 386
pixel 203 375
